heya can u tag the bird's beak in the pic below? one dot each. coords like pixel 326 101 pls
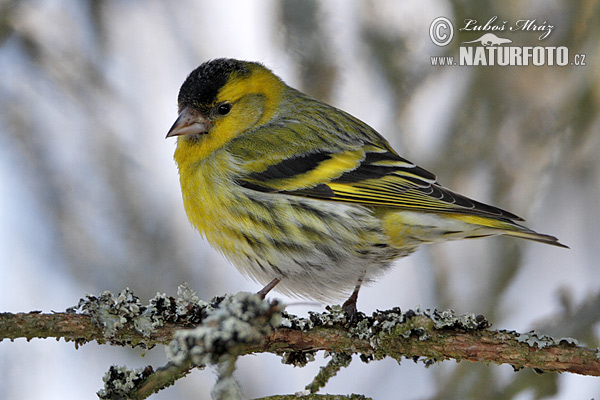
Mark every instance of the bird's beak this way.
pixel 189 122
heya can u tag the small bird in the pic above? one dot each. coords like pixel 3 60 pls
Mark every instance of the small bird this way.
pixel 303 196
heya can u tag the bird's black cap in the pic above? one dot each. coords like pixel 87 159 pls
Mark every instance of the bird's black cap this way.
pixel 202 85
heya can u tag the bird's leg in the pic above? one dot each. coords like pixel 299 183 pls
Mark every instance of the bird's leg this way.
pixel 263 292
pixel 349 305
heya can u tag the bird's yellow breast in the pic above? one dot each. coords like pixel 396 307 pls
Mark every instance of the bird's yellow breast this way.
pixel 205 185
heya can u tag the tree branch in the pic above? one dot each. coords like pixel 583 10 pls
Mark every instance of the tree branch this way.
pixel 244 324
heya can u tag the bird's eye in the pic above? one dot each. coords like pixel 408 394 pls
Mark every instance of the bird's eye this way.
pixel 223 109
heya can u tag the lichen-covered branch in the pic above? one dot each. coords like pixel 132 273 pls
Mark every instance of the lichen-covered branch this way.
pixel 199 333
pixel 317 397
pixel 437 336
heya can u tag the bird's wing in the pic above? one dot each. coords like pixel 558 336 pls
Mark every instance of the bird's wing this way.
pixel 372 175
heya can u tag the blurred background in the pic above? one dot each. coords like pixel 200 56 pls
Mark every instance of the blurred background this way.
pixel 90 198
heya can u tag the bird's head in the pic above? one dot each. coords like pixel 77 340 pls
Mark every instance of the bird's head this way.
pixel 223 98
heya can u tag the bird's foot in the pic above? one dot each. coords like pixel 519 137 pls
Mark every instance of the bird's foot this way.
pixel 350 309
pixel 263 292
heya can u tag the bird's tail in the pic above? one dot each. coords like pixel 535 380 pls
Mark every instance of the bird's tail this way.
pixel 510 228
pixel 538 237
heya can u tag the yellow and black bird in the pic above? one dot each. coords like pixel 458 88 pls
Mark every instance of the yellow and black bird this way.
pixel 303 196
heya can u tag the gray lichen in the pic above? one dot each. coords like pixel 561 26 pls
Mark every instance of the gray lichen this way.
pixel 112 312
pixel 226 387
pixel 370 328
pixel 120 381
pixel 534 339
pixel 337 362
pixel 237 319
pixel 298 358
pixel 227 321
pixel 186 297
pixel 386 321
